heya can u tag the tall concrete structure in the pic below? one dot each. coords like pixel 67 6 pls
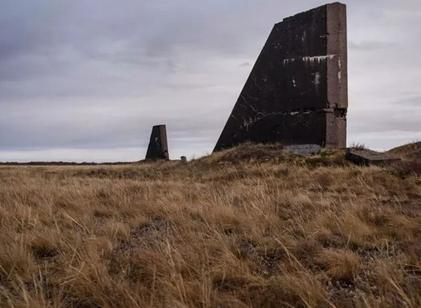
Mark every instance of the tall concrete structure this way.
pixel 297 92
pixel 158 145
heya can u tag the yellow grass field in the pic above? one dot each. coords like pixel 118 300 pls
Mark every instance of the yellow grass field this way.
pixel 248 227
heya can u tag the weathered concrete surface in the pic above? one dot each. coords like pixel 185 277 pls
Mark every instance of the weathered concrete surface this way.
pixel 297 91
pixel 303 149
pixel 368 157
pixel 158 145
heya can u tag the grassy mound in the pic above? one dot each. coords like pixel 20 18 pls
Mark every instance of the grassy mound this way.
pixel 273 153
pixel 411 159
pixel 408 151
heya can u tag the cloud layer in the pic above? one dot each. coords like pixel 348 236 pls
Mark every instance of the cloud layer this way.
pixel 86 80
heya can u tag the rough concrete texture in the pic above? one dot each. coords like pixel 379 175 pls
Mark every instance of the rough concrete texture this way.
pixel 368 157
pixel 303 149
pixel 297 91
pixel 158 145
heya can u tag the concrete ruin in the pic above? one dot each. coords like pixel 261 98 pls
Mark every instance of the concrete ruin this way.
pixel 158 145
pixel 297 92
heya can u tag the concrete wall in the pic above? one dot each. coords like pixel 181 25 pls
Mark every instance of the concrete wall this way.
pixel 297 91
pixel 158 145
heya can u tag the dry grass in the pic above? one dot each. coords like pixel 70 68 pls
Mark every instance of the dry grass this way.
pixel 272 230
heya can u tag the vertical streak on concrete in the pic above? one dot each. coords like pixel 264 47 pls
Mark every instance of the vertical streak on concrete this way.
pixel 337 74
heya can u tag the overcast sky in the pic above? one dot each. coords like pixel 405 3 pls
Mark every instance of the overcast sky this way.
pixel 86 80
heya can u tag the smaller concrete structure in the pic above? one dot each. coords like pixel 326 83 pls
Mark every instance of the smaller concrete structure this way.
pixel 367 157
pixel 158 145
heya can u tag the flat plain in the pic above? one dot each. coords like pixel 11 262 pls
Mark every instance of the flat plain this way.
pixel 248 227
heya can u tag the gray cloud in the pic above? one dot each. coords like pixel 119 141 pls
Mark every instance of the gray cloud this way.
pixel 93 76
pixel 369 45
pixel 413 101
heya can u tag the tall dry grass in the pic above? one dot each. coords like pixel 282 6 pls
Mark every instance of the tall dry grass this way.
pixel 270 230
